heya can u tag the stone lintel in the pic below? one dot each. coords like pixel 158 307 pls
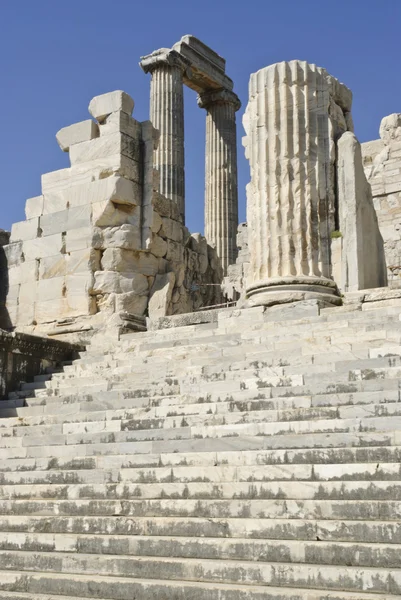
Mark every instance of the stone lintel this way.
pixel 205 51
pixel 222 96
pixel 164 56
pixel 205 73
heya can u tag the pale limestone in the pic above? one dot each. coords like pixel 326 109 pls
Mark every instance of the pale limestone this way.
pixel 24 230
pixel 157 246
pixel 76 217
pixel 89 172
pixel 114 214
pixel 34 207
pixel 291 196
pixel 117 259
pixel 160 295
pixel 123 123
pixel 125 236
pixel 107 282
pixel 132 303
pixel 77 133
pixel 114 144
pixel 100 107
pixel 363 260
pixel 43 246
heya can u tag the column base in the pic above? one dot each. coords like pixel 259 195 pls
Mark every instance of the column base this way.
pixel 282 290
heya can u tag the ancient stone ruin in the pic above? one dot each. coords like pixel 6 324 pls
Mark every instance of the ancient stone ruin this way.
pixel 184 446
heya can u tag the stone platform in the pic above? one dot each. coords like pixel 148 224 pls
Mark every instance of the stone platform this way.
pixel 254 455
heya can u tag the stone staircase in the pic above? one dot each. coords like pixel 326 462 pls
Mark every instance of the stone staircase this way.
pixel 253 457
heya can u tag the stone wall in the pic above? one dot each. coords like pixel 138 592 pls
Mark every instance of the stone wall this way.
pixel 382 163
pixel 23 356
pixel 98 243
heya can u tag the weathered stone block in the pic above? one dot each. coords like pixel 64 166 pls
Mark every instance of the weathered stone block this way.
pixel 34 207
pixel 131 303
pixel 175 252
pixel 171 230
pixel 125 236
pixel 106 146
pixel 160 295
pixel 53 266
pixel 76 217
pixel 114 188
pixel 78 239
pixel 24 230
pixel 49 245
pixel 113 214
pixel 158 246
pixel 83 261
pixel 117 259
pixel 89 172
pixel 105 104
pixel 47 289
pixel 25 272
pixel 77 133
pixel 123 123
pixel 14 254
pixel 108 282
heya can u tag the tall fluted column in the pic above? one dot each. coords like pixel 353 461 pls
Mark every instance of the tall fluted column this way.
pixel 167 116
pixel 289 145
pixel 221 185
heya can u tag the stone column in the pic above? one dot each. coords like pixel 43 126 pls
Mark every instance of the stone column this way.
pixel 290 148
pixel 167 116
pixel 221 186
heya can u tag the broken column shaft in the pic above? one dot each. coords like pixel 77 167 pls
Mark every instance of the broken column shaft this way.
pixel 290 204
pixel 167 116
pixel 221 185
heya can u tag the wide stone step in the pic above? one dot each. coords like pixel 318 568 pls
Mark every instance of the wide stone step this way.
pixel 243 549
pixel 214 415
pixel 240 430
pixel 285 490
pixel 297 575
pixel 360 510
pixel 229 370
pixel 373 532
pixel 208 474
pixel 316 456
pixel 216 444
pixel 47 586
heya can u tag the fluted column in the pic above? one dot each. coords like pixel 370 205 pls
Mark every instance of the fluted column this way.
pixel 289 147
pixel 221 183
pixel 167 116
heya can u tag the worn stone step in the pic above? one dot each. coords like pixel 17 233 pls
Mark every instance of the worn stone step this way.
pixel 214 415
pixel 259 429
pixel 317 456
pixel 288 490
pixel 216 474
pixel 243 443
pixel 317 552
pixel 360 510
pixel 47 586
pixel 277 529
pixel 297 575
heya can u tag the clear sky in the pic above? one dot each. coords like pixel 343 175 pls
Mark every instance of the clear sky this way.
pixel 56 55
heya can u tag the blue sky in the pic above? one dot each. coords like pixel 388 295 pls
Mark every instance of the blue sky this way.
pixel 55 56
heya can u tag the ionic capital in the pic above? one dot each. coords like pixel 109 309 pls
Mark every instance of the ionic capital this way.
pixel 164 57
pixel 222 96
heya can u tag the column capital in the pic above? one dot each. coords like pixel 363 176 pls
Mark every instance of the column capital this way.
pixel 164 57
pixel 223 96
